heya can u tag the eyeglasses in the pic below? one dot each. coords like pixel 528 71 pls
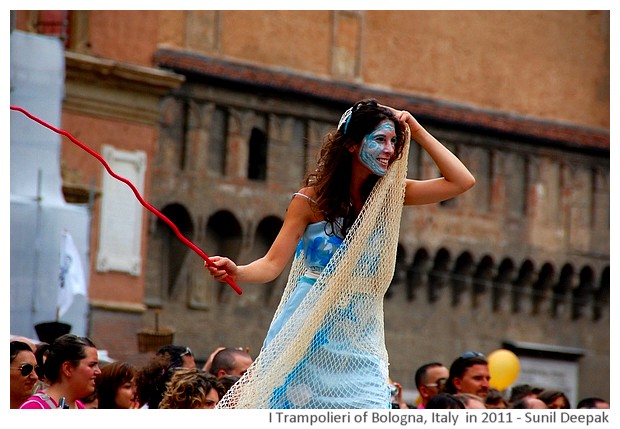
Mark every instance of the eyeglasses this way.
pixel 438 384
pixel 187 352
pixel 471 355
pixel 27 368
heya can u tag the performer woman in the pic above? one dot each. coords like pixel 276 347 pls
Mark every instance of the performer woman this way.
pixel 325 347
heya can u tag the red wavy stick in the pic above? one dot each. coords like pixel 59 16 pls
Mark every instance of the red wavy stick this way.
pixel 152 209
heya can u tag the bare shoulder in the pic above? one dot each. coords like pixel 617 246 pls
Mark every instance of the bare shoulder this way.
pixel 308 192
pixel 304 205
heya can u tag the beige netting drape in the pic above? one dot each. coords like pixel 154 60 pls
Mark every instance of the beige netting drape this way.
pixel 331 352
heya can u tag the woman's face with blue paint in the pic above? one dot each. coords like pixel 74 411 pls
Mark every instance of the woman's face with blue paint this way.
pixel 377 148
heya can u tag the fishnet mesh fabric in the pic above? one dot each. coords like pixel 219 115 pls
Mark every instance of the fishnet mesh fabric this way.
pixel 343 308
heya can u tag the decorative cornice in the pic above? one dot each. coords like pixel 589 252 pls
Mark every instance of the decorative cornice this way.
pixel 103 87
pixel 122 307
pixel 567 136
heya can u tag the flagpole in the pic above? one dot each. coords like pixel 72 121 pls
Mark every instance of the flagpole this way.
pixel 37 246
pixel 63 273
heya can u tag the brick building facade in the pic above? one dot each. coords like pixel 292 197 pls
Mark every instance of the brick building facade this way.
pixel 229 108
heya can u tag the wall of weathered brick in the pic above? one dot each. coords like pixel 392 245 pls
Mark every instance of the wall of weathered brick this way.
pixel 527 62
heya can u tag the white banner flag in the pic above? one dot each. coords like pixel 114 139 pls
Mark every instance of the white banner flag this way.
pixel 71 280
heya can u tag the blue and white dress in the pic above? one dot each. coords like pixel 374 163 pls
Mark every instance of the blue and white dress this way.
pixel 336 371
pixel 325 348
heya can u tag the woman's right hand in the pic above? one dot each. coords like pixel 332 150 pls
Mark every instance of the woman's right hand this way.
pixel 221 268
pixel 405 117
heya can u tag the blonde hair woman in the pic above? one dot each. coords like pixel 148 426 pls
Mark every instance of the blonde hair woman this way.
pixel 191 388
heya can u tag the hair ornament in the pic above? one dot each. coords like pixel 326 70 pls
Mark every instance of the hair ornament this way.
pixel 344 119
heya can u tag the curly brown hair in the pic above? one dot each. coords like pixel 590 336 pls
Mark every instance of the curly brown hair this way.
pixel 332 177
pixel 188 389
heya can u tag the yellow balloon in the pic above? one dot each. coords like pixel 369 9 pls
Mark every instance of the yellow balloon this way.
pixel 503 368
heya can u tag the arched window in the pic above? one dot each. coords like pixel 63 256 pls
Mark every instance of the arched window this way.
pixel 167 253
pixel 257 161
pixel 461 276
pixel 601 295
pixel 501 283
pixel 224 236
pixel 541 285
pixel 416 275
pixel 400 270
pixel 482 278
pixel 521 284
pixel 266 233
pixel 561 289
pixel 582 294
pixel 439 274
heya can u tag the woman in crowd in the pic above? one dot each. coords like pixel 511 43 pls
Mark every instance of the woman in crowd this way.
pixel 71 370
pixel 554 399
pixel 151 381
pixel 191 388
pixel 116 386
pixel 23 373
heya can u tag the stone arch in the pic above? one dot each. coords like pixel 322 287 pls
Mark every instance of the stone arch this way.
pixel 265 234
pixel 501 282
pixel 541 285
pixel 582 295
pixel 561 289
pixel 482 278
pixel 416 274
pixel 169 252
pixel 400 270
pixel 223 234
pixel 601 295
pixel 522 283
pixel 461 273
pixel 439 274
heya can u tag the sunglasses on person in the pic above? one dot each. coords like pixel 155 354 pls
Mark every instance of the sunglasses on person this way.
pixel 187 352
pixel 438 384
pixel 27 368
